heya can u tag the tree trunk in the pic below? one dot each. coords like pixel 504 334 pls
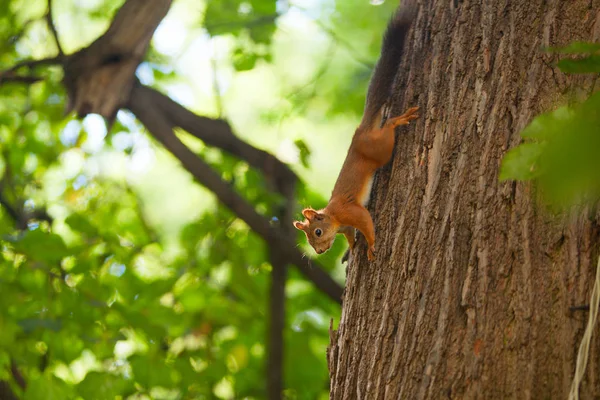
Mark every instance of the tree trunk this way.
pixel 470 294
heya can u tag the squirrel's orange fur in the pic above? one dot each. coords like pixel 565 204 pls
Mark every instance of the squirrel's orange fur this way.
pixel 371 148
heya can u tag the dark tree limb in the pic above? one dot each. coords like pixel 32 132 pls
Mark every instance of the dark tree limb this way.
pixel 11 211
pixel 18 377
pixel 275 358
pixel 28 80
pixel 161 127
pixel 6 392
pixel 99 77
pixel 276 327
pixel 218 133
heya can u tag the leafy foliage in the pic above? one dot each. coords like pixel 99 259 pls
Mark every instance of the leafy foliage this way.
pixel 98 299
pixel 252 23
pixel 562 147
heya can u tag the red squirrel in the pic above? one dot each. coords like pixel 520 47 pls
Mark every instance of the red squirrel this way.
pixel 371 148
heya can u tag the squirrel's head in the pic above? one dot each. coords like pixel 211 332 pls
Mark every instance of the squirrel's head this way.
pixel 319 229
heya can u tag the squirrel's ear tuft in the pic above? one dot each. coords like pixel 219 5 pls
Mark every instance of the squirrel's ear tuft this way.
pixel 309 213
pixel 299 225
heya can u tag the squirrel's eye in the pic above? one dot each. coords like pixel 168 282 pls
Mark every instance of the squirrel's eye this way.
pixel 318 232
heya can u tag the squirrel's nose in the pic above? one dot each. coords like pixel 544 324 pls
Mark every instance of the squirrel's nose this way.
pixel 319 251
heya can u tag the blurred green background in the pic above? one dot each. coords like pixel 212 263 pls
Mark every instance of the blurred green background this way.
pixel 120 277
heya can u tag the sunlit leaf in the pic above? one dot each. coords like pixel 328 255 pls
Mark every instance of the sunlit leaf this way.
pixel 244 61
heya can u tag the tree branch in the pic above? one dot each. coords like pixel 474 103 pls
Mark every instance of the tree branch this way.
pixel 10 75
pixel 161 127
pixel 18 377
pixel 6 393
pixel 99 77
pixel 218 133
pixel 28 80
pixel 339 40
pixel 276 326
pixel 53 30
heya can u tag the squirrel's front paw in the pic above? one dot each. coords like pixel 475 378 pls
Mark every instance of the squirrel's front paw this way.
pixel 371 253
pixel 411 114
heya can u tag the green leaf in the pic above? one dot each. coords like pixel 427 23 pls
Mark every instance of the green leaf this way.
pixel 520 162
pixel 65 345
pixel 41 246
pixel 576 48
pixel 304 151
pixel 222 17
pixel 47 387
pixel 79 223
pixel 546 125
pixel 243 61
pixel 586 65
pixel 264 7
pixel 8 332
pixel 102 386
pixel 150 373
pixel 193 300
pixel 262 33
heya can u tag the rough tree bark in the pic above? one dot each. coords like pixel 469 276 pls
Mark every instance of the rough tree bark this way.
pixel 471 291
pixel 101 79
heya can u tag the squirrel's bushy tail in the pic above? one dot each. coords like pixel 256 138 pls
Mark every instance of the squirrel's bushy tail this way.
pixel 384 74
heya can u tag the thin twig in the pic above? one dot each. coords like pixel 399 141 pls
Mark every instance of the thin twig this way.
pixel 139 208
pixel 216 88
pixel 334 36
pixel 53 30
pixel 311 83
pixel 342 42
pixel 30 64
pixel 9 75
